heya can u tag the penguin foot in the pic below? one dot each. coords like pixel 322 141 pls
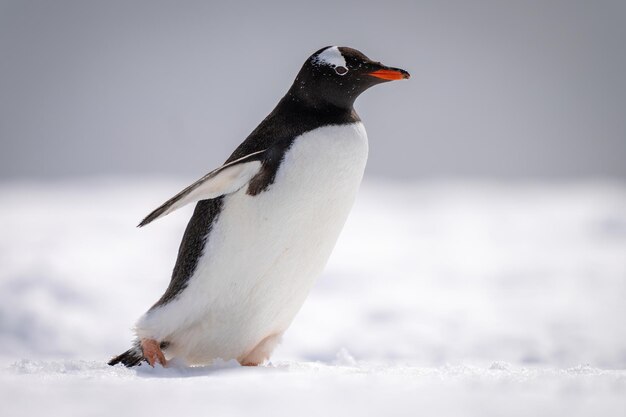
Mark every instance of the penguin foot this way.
pixel 152 352
pixel 261 352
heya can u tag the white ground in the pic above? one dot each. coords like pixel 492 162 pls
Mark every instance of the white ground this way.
pixel 441 299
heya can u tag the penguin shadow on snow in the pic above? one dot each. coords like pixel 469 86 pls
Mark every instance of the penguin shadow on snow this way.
pixel 178 369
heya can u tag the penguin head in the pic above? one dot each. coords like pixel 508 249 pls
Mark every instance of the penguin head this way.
pixel 338 75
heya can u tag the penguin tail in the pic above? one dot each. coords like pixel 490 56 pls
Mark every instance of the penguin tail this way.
pixel 132 357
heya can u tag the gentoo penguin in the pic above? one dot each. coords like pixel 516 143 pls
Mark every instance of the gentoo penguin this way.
pixel 265 222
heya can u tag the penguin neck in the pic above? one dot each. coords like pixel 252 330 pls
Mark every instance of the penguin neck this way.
pixel 302 95
pixel 294 107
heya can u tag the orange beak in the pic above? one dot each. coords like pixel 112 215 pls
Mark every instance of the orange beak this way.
pixel 391 74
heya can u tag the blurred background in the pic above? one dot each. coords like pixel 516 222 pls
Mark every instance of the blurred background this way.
pixel 491 225
pixel 499 89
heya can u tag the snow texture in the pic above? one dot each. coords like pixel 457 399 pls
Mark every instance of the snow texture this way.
pixel 441 298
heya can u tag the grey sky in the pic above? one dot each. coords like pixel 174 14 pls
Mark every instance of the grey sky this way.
pixel 499 89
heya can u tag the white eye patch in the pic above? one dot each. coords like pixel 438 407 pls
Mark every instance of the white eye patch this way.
pixel 341 70
pixel 332 57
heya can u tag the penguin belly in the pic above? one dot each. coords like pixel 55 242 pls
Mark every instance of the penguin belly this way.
pixel 264 251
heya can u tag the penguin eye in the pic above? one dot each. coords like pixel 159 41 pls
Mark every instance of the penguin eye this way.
pixel 341 70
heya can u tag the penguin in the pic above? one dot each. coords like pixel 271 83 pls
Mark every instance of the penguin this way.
pixel 265 222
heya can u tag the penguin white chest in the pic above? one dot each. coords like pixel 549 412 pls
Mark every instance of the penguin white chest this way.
pixel 285 234
pixel 265 251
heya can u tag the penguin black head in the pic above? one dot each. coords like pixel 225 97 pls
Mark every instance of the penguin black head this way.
pixel 338 75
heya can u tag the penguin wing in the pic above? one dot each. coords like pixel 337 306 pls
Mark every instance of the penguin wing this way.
pixel 224 180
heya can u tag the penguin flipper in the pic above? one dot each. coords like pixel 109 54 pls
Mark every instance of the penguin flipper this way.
pixel 224 180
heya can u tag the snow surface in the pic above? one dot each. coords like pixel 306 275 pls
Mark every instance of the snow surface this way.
pixel 444 298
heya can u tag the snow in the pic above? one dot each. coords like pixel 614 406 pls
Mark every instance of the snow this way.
pixel 446 298
pixel 287 389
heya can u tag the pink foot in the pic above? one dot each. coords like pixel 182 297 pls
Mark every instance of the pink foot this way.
pixel 152 352
pixel 261 351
